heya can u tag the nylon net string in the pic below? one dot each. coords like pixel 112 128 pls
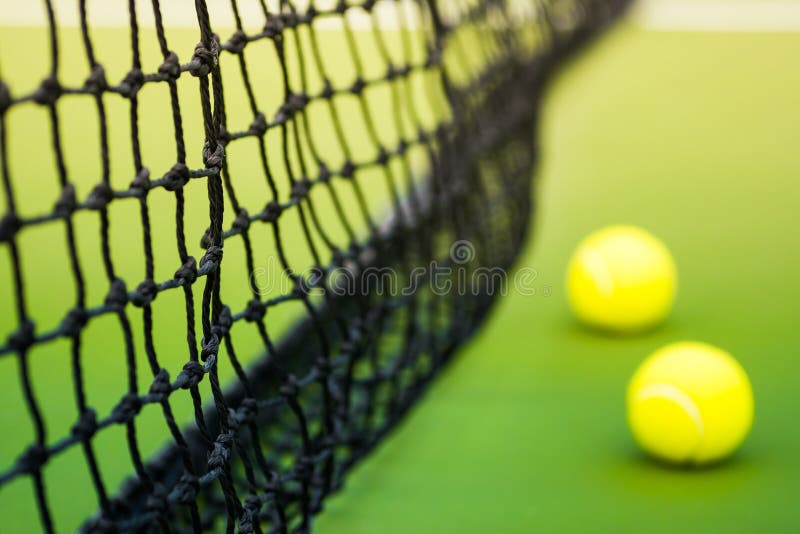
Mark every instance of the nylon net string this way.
pixel 219 229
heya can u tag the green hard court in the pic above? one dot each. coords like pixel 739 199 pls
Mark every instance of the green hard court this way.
pixel 690 134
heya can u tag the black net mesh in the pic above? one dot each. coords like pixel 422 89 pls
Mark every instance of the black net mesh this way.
pixel 379 153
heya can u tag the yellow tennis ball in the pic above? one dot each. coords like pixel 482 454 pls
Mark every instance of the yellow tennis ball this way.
pixel 690 403
pixel 622 279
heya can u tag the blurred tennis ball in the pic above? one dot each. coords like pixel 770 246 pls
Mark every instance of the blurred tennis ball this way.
pixel 622 279
pixel 690 403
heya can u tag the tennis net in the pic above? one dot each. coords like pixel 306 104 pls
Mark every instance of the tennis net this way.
pixel 392 143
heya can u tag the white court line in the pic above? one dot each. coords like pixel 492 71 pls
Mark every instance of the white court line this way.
pixel 181 14
pixel 657 15
pixel 386 14
pixel 717 16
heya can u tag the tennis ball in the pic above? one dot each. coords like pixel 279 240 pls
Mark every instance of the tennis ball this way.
pixel 690 403
pixel 621 279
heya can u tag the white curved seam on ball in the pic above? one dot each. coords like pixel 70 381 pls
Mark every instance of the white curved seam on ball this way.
pixel 601 274
pixel 679 397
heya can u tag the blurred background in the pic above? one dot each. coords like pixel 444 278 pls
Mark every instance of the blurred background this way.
pixel 685 120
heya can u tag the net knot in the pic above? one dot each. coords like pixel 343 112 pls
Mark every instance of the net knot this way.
pixel 273 27
pixel 161 387
pixel 210 346
pixel 144 293
pixel 219 455
pixel 324 173
pixel 284 113
pixel 309 15
pixel 303 286
pixel 157 500
pixel 131 83
pixel 272 211
pixel 434 58
pixel 323 367
pixel 176 177
pixel 341 7
pixel 294 102
pixel 100 196
pixel 367 5
pixel 213 157
pixel 402 147
pixel 187 273
pixel 304 467
pixel 5 97
pixel 383 156
pixel 67 202
pixel 255 311
pixel 48 92
pixel 358 86
pixel 298 101
pixel 96 81
pixel 23 337
pixel 317 276
pixel 273 482
pixel 86 426
pixel 301 188
pixel 404 71
pixel 290 388
pixel 290 19
pixel 117 294
pixel 171 67
pixel 191 375
pixel 236 43
pixel 347 170
pixel 33 459
pixel 141 182
pixel 327 90
pixel 242 220
pixel 9 225
pixel 185 491
pixel 126 410
pixel 251 507
pixel 213 255
pixel 204 60
pixel 72 324
pixel 259 124
pixel 246 413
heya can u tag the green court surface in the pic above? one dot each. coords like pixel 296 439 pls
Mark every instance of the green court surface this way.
pixel 695 137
